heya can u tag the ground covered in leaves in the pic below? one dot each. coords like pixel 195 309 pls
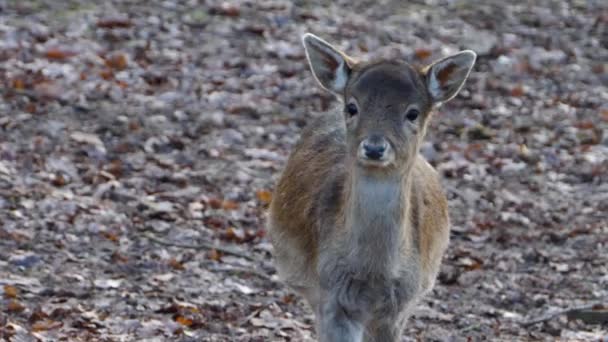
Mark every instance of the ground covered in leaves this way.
pixel 136 136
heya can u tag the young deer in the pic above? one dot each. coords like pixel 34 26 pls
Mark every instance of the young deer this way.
pixel 359 221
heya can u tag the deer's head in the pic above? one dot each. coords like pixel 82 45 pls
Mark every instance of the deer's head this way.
pixel 387 103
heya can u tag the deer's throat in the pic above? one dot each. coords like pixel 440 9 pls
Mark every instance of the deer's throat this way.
pixel 376 221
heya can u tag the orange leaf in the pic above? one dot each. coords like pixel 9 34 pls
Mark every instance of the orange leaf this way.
pixel 264 196
pixel 106 74
pixel 58 54
pixel 422 53
pixel 230 205
pixel 215 203
pixel 111 236
pixel 214 255
pixel 175 264
pixel 117 61
pixel 517 91
pixel 18 84
pixel 184 321
pixel 14 306
pixel 605 115
pixel 46 325
pixel 10 291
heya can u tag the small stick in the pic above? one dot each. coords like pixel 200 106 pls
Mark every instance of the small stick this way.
pixel 566 311
pixel 202 245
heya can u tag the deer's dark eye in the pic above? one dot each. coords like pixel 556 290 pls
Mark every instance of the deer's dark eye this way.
pixel 412 114
pixel 351 109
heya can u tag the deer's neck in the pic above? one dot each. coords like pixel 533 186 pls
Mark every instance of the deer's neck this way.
pixel 376 217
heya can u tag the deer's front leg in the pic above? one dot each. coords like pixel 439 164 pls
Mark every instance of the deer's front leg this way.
pixel 345 305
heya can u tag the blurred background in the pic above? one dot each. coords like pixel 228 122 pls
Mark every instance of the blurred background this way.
pixel 140 142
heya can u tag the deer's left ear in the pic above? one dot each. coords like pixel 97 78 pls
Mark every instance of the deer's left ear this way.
pixel 445 77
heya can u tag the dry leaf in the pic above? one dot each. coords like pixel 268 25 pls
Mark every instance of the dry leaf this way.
pixel 46 325
pixel 264 196
pixel 230 205
pixel 117 61
pixel 518 91
pixel 422 53
pixel 111 236
pixel 214 255
pixel 10 291
pixel 215 203
pixel 184 321
pixel 116 22
pixel 175 264
pixel 14 306
pixel 58 54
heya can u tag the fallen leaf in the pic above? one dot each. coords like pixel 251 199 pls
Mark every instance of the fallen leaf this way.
pixel 422 53
pixel 184 321
pixel 111 236
pixel 226 9
pixel 230 205
pixel 46 325
pixel 59 54
pixel 215 203
pixel 264 196
pixel 10 291
pixel 115 22
pixel 517 91
pixel 175 264
pixel 14 306
pixel 117 61
pixel 214 255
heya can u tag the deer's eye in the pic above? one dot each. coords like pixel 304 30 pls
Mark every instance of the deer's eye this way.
pixel 412 114
pixel 351 109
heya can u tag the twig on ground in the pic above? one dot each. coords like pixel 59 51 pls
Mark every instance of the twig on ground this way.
pixel 566 311
pixel 201 245
pixel 252 271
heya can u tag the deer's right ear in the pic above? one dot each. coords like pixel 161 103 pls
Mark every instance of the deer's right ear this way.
pixel 330 66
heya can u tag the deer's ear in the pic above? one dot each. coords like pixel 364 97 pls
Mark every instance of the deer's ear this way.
pixel 445 77
pixel 330 66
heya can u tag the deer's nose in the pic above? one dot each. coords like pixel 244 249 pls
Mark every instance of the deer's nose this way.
pixel 375 147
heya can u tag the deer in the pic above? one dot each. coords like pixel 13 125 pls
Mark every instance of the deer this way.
pixel 358 220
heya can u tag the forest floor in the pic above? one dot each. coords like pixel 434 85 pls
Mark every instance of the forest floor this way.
pixel 137 135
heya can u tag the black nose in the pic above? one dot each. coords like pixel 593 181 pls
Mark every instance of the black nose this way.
pixel 374 150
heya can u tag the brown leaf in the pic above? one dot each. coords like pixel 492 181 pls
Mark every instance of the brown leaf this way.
pixel 18 84
pixel 234 234
pixel 59 54
pixel 115 22
pixel 59 180
pixel 264 196
pixel 518 91
pixel 184 321
pixel 10 291
pixel 46 325
pixel 14 306
pixel 37 315
pixel 175 264
pixel 106 74
pixel 214 255
pixel 117 257
pixel 423 53
pixel 215 203
pixel 226 9
pixel 111 236
pixel 288 298
pixel 117 61
pixel 230 205
pixel 604 115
